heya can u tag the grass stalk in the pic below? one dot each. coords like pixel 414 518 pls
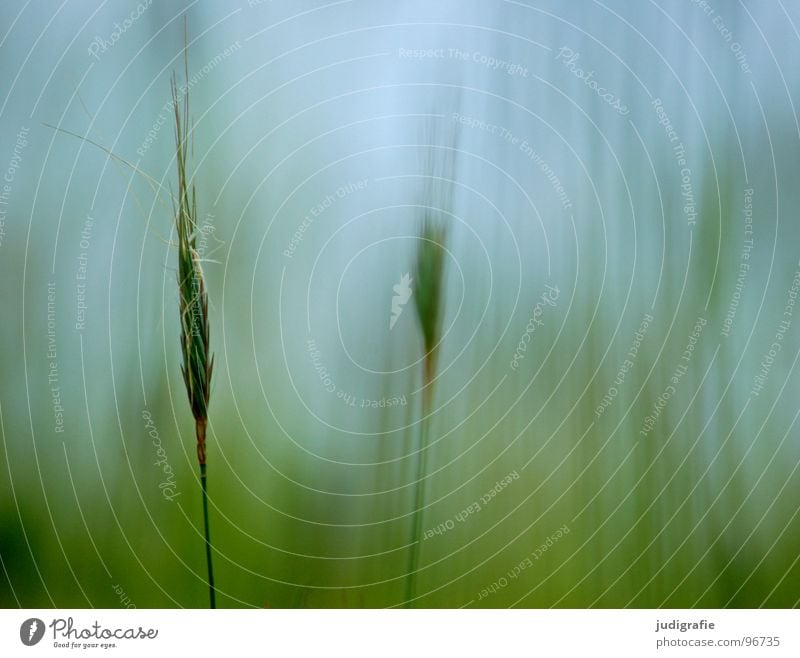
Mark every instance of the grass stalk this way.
pixel 428 302
pixel 197 360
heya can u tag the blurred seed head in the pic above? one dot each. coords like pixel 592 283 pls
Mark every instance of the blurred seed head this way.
pixel 429 295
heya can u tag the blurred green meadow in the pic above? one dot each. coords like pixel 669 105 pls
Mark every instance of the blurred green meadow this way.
pixel 613 418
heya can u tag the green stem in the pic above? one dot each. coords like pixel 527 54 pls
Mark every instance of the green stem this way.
pixel 204 485
pixel 419 504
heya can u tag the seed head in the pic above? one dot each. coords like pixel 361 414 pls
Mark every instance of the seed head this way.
pixel 428 298
pixel 198 362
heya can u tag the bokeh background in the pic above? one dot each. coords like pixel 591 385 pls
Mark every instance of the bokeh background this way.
pixel 640 158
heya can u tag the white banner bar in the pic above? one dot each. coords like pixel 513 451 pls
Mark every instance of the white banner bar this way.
pixel 399 633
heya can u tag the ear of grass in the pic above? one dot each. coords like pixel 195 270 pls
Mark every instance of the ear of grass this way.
pixel 429 275
pixel 197 361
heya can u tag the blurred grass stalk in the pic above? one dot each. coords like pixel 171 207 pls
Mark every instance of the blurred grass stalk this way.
pixel 428 302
